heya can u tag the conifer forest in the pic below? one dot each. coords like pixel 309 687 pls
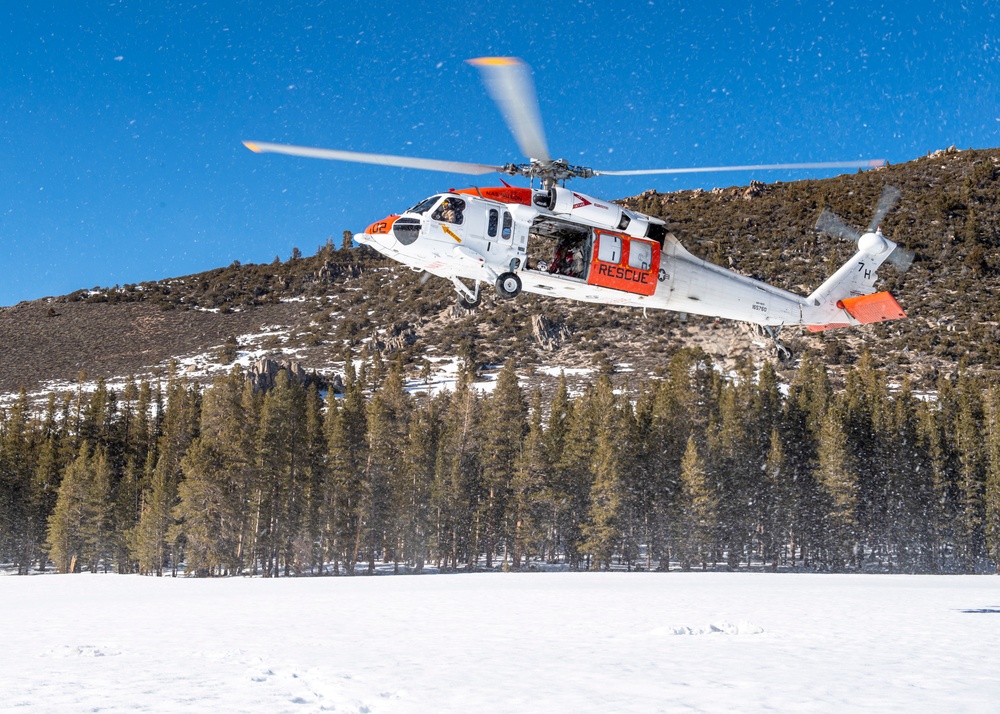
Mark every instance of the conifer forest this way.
pixel 687 469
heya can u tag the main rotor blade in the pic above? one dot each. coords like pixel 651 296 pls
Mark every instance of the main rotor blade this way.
pixel 868 163
pixel 508 80
pixel 890 196
pixel 829 222
pixel 406 162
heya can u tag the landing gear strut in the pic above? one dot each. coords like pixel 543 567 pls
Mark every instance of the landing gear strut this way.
pixel 784 354
pixel 469 299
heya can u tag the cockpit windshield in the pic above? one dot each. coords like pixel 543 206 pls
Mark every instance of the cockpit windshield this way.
pixel 424 205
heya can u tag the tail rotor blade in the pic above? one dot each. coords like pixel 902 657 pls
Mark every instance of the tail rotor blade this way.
pixel 830 223
pixel 901 258
pixel 888 201
pixel 509 82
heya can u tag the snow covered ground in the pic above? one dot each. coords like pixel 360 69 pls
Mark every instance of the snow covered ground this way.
pixel 539 642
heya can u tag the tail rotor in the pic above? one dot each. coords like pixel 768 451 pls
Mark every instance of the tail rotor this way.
pixel 872 239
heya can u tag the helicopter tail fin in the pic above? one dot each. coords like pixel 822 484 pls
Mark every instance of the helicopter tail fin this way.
pixel 848 297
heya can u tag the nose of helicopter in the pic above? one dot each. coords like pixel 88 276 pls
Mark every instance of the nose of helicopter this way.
pixel 378 234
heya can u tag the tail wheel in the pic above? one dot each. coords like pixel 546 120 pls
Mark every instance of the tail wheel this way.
pixel 469 304
pixel 508 286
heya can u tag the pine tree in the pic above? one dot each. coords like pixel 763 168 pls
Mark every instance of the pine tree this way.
pixel 556 482
pixel 670 424
pixel 911 488
pixel 933 420
pixel 149 541
pixel 346 439
pixel 388 414
pixel 732 468
pixel 575 476
pixel 531 503
pixel 47 479
pixel 603 527
pixel 215 493
pixel 504 427
pixel 413 493
pixel 316 478
pixel 866 423
pixel 805 410
pixel 20 520
pixel 972 456
pixel 281 483
pixel 776 519
pixel 78 529
pixel 65 541
pixel 839 481
pixel 768 517
pixel 992 486
pixel 457 483
pixel 695 527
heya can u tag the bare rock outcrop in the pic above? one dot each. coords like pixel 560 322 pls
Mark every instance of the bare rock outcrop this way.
pixel 263 373
pixel 547 334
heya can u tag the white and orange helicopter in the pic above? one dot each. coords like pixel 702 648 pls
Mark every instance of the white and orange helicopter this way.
pixel 554 241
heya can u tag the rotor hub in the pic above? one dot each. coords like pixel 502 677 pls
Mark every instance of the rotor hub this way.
pixel 549 172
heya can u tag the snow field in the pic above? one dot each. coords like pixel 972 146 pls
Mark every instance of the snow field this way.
pixel 541 642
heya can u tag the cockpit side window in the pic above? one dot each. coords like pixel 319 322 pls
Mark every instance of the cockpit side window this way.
pixel 423 206
pixel 450 210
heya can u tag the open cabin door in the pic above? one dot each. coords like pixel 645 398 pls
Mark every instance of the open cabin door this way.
pixel 622 262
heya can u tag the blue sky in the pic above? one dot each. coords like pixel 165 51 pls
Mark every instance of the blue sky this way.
pixel 121 122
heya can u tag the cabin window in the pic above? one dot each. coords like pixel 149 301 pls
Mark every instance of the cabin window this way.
pixel 640 255
pixel 494 223
pixel 609 248
pixel 450 210
pixel 508 222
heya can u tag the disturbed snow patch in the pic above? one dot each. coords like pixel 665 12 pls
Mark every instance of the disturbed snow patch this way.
pixel 80 651
pixel 715 628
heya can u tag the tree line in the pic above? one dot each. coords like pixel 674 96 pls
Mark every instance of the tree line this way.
pixel 683 470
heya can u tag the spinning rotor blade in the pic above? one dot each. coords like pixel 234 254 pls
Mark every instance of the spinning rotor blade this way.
pixel 901 258
pixel 830 223
pixel 888 200
pixel 870 163
pixel 406 162
pixel 508 80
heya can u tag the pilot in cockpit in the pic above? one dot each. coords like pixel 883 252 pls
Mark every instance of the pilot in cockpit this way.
pixel 450 211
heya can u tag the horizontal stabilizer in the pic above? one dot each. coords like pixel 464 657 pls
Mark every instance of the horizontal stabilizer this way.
pixel 866 309
pixel 877 307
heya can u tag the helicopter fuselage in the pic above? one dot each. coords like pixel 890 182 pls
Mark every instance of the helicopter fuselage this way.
pixel 561 243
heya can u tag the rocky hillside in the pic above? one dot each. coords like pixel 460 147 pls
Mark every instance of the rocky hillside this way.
pixel 311 309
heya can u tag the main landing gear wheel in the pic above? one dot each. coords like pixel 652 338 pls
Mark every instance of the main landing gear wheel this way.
pixel 469 304
pixel 508 286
